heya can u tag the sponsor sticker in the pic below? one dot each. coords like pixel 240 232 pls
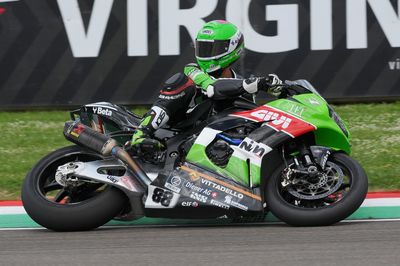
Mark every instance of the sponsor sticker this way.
pixel 228 200
pixel 219 204
pixel 314 102
pixel 222 188
pixel 216 184
pixel 208 192
pixel 250 146
pixel 193 187
pixel 102 111
pixel 77 130
pixel 193 204
pixel 174 183
pixel 172 97
pixel 296 110
pixel 207 32
pixel 194 176
pixel 325 159
pixel 212 68
pixel 277 120
pixel 112 179
pixel 198 197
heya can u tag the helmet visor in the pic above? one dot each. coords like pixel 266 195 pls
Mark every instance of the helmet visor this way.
pixel 211 49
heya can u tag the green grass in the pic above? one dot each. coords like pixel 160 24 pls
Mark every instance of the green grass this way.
pixel 375 132
pixel 25 138
pixel 28 136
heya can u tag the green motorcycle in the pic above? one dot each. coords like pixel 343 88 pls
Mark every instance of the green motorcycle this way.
pixel 289 156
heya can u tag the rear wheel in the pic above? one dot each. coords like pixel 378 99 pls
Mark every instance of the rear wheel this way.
pixel 78 206
pixel 338 191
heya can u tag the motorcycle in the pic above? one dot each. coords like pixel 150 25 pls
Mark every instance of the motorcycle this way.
pixel 289 156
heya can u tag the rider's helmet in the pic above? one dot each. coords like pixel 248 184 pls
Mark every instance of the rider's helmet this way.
pixel 218 44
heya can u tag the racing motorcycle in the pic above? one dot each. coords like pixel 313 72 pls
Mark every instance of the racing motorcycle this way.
pixel 289 156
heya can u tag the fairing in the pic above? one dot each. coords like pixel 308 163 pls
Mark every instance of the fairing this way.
pixel 281 120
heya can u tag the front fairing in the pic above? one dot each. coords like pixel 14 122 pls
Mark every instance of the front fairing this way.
pixel 311 107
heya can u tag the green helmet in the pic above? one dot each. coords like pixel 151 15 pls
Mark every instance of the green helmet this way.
pixel 218 44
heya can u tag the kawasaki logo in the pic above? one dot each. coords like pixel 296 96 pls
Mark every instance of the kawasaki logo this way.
pixel 102 111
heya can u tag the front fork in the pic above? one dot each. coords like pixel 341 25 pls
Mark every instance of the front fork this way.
pixel 311 159
pixel 306 155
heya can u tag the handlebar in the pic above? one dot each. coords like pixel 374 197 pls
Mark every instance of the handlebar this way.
pixel 289 88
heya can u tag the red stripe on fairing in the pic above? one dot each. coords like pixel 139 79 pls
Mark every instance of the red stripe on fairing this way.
pixel 380 195
pixel 10 203
pixel 2 10
pixel 278 120
pixel 179 89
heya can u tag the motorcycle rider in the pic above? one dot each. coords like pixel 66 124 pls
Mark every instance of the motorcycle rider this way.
pixel 218 45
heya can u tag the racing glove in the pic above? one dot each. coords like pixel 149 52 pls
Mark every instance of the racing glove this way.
pixel 273 85
pixel 270 84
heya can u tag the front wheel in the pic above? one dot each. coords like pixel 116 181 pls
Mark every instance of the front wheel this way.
pixel 79 206
pixel 306 201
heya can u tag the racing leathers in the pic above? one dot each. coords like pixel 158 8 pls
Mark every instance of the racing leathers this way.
pixel 182 90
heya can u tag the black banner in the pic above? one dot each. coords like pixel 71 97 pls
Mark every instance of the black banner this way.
pixel 70 52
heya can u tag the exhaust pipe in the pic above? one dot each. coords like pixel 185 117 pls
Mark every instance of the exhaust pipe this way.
pixel 83 135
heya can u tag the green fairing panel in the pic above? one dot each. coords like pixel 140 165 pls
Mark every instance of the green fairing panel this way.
pixel 255 178
pixel 236 169
pixel 314 109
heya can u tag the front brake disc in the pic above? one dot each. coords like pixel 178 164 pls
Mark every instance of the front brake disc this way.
pixel 329 182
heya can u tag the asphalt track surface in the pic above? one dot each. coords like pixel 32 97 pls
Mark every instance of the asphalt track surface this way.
pixel 359 243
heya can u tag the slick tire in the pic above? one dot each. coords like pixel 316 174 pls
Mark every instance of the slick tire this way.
pixel 298 216
pixel 85 215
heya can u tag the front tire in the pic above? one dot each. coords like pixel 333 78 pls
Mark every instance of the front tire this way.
pixel 52 206
pixel 300 212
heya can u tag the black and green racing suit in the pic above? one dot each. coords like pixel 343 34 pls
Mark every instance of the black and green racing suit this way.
pixel 183 90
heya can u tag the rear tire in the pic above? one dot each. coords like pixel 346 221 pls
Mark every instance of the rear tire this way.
pixel 324 215
pixel 85 212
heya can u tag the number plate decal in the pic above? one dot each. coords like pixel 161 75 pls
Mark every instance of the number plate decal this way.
pixel 159 198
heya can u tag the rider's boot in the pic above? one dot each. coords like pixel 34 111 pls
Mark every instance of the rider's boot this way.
pixel 142 139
